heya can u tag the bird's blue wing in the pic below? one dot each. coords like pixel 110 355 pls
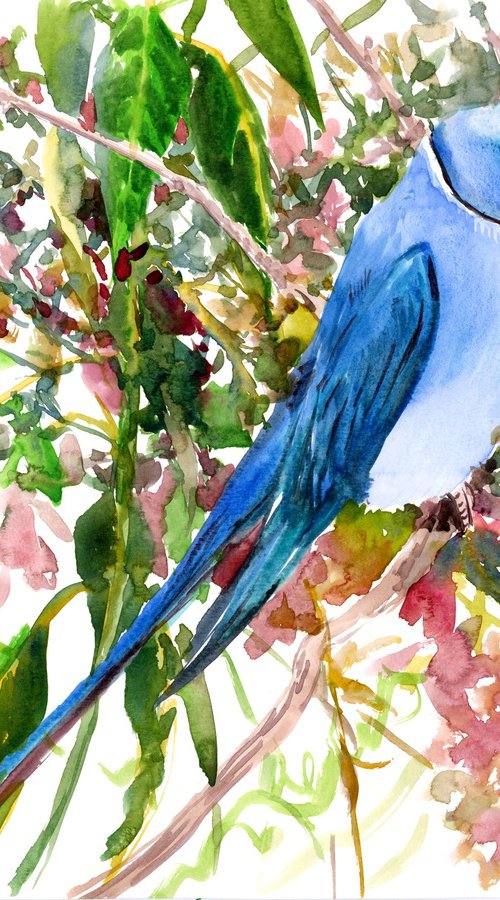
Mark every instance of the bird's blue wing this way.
pixel 362 382
pixel 295 478
pixel 246 500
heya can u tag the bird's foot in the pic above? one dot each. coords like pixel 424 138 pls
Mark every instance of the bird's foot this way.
pixel 483 475
pixel 453 511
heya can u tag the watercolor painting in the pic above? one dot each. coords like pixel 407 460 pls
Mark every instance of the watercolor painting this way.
pixel 249 448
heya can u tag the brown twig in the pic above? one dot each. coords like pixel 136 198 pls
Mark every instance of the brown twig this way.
pixel 196 192
pixel 410 564
pixel 272 731
pixel 413 129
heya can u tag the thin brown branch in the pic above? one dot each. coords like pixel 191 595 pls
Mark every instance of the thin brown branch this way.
pixel 271 732
pixel 196 192
pixel 413 129
pixel 412 562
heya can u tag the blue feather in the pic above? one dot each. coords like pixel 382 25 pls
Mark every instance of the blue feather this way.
pixel 394 399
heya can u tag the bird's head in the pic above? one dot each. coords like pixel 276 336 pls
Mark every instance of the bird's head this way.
pixel 467 145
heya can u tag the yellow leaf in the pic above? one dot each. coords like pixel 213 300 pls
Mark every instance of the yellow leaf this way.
pixel 300 325
pixel 363 764
pixel 55 188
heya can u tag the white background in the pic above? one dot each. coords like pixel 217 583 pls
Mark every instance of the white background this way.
pixel 96 809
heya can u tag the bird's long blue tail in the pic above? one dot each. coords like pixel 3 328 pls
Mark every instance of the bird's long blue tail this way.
pixel 248 496
pixel 17 766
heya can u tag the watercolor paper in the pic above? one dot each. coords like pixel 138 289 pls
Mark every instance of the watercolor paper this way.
pixel 249 462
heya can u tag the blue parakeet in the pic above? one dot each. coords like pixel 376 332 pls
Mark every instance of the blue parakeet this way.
pixel 394 400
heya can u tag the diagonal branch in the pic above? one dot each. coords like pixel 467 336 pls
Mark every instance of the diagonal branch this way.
pixel 276 726
pixel 196 192
pixel 412 562
pixel 413 129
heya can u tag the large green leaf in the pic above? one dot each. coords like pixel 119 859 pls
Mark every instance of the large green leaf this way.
pixel 199 713
pixel 47 838
pixel 43 469
pixel 23 689
pixel 230 142
pixel 64 184
pixel 145 680
pixel 220 411
pixel 64 39
pixel 141 89
pixel 95 552
pixel 270 26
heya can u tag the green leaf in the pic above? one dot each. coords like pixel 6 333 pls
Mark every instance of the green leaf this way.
pixel 6 361
pixel 140 549
pixel 141 88
pixel 44 471
pixel 95 553
pixel 220 408
pixel 269 25
pixel 23 690
pixel 64 39
pixel 193 18
pixel 199 713
pixel 145 680
pixel 8 805
pixel 9 652
pixel 64 185
pixel 201 725
pixel 480 561
pixel 48 836
pixel 95 537
pixel 165 363
pixel 230 142
pixel 423 70
pixel 362 14
pixel 319 40
pixel 180 525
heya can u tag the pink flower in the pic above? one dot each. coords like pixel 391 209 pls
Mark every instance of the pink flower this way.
pixel 50 280
pixel 334 205
pixel 20 545
pixel 152 504
pixel 34 90
pixel 314 229
pixel 288 142
pixel 486 830
pixel 102 381
pixel 208 494
pixel 8 253
pixel 290 610
pixel 325 145
pixel 70 457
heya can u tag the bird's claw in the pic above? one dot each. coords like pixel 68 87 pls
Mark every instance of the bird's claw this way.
pixel 454 510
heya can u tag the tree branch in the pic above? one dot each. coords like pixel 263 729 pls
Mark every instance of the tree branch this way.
pixel 273 730
pixel 196 192
pixel 413 128
pixel 412 562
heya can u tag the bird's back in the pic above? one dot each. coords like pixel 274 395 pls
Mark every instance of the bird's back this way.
pixel 447 424
pixel 467 146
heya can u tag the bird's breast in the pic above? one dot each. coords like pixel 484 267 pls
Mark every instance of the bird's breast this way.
pixel 447 424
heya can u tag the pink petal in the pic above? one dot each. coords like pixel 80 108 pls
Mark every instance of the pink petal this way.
pixel 102 381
